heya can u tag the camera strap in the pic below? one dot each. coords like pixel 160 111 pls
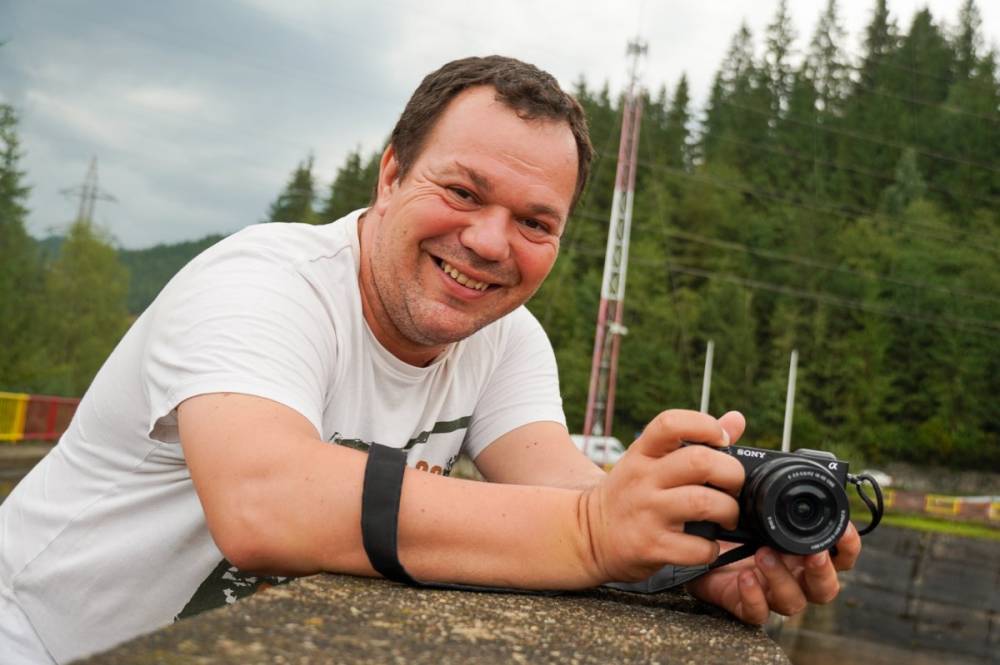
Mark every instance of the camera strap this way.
pixel 669 576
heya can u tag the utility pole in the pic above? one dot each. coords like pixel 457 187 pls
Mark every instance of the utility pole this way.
pixel 607 339
pixel 786 434
pixel 706 379
pixel 89 194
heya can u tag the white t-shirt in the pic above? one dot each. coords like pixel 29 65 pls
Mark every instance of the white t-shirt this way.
pixel 106 539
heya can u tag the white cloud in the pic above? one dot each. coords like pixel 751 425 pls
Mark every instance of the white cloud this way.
pixel 161 99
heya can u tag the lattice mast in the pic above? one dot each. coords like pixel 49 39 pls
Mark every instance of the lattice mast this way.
pixel 89 193
pixel 607 339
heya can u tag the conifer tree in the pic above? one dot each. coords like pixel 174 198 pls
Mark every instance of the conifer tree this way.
pixel 352 187
pixel 739 108
pixel 296 201
pixel 826 62
pixel 968 40
pixel 20 271
pixel 908 187
pixel 677 139
pixel 778 53
pixel 880 40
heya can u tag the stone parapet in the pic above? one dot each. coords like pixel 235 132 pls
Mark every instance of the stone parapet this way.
pixel 342 619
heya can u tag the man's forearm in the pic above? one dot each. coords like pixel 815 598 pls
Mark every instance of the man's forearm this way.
pixel 449 529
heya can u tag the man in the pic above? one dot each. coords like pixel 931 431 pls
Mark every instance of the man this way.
pixel 200 458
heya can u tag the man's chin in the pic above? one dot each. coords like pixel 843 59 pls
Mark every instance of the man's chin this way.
pixel 448 330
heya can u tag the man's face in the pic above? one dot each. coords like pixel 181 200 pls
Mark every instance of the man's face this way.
pixel 471 231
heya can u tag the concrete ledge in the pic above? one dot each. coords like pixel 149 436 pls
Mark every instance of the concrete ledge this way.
pixel 336 618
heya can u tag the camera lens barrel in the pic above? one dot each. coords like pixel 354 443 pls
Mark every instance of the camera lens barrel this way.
pixel 795 505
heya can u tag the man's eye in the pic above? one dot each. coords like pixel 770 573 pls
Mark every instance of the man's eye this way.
pixel 534 225
pixel 462 193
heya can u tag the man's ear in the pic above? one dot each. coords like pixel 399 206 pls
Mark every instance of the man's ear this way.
pixel 388 176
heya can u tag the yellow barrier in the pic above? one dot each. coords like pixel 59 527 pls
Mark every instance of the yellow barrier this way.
pixel 994 514
pixel 942 505
pixel 13 407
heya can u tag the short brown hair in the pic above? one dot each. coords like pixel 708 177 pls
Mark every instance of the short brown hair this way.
pixel 527 90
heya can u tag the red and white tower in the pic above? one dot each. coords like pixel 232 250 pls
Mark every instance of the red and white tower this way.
pixel 601 396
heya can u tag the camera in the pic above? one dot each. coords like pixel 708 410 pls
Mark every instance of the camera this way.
pixel 794 502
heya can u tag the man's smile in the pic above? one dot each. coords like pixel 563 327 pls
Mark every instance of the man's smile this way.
pixel 460 277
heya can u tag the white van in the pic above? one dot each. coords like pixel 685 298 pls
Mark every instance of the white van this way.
pixel 603 451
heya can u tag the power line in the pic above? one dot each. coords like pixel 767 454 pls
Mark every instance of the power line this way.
pixel 812 263
pixel 922 102
pixel 972 325
pixel 666 230
pixel 801 156
pixel 843 212
pixel 868 138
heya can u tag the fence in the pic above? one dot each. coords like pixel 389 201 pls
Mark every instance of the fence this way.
pixel 25 417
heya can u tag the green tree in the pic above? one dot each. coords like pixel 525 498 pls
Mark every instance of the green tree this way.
pixel 296 201
pixel 738 111
pixel 677 144
pixel 778 52
pixel 908 187
pixel 968 40
pixel 20 271
pixel 86 289
pixel 826 61
pixel 352 187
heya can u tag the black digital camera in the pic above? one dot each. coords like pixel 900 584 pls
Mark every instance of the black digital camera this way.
pixel 794 502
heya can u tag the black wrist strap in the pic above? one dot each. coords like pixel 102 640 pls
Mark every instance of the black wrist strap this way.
pixel 380 522
pixel 380 510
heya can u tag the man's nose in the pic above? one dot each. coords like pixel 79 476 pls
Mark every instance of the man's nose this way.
pixel 486 235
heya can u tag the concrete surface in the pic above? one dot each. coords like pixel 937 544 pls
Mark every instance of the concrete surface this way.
pixel 341 619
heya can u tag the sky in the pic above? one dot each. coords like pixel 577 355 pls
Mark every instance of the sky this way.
pixel 198 110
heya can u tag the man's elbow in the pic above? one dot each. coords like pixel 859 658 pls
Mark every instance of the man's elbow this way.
pixel 251 533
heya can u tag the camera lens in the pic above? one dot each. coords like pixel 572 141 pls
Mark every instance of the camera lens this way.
pixel 804 509
pixel 794 505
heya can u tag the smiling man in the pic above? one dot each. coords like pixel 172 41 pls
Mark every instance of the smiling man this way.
pixel 204 457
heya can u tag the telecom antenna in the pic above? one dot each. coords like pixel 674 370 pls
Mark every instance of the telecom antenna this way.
pixel 89 194
pixel 607 339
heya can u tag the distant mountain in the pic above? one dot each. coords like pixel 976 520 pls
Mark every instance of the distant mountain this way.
pixel 49 247
pixel 149 269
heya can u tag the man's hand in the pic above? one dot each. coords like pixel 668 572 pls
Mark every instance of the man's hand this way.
pixel 635 516
pixel 782 583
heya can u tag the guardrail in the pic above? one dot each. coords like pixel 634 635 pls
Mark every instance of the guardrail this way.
pixel 26 417
pixel 978 508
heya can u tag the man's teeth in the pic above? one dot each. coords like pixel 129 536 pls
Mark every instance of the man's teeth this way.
pixel 462 279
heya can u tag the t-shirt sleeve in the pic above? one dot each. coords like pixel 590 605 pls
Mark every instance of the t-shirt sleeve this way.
pixel 522 388
pixel 243 322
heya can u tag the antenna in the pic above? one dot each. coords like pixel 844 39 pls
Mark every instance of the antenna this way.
pixel 706 381
pixel 89 193
pixel 786 435
pixel 607 338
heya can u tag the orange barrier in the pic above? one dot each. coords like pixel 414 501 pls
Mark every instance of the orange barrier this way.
pixel 25 417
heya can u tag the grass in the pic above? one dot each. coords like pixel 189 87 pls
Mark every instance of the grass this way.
pixel 924 523
pixel 966 529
